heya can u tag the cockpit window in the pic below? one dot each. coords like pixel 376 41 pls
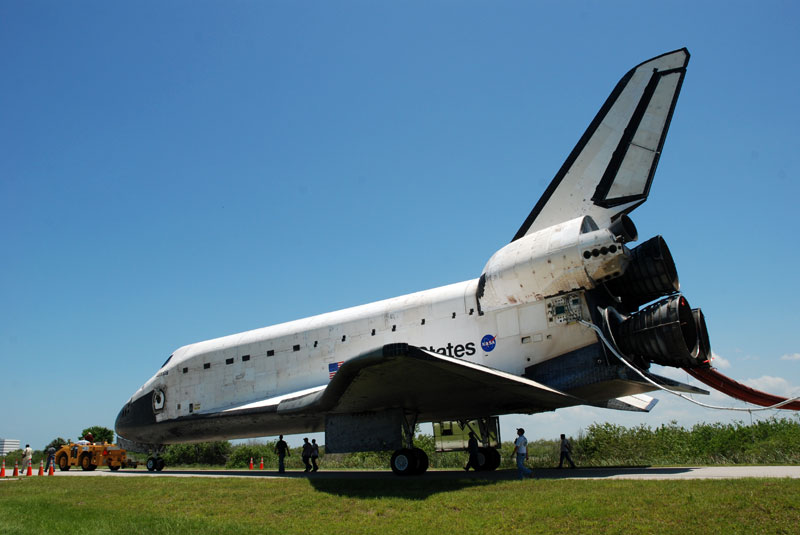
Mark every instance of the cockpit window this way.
pixel 166 361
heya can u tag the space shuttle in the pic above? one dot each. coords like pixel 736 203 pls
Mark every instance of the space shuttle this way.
pixel 570 312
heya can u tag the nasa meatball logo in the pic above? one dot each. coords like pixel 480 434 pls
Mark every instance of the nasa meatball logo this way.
pixel 488 342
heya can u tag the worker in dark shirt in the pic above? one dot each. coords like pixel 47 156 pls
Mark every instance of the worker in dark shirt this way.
pixel 472 448
pixel 282 449
pixel 308 449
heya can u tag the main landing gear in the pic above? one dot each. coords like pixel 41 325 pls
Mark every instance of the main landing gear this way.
pixel 449 436
pixel 409 461
pixel 488 459
pixel 487 430
pixel 454 435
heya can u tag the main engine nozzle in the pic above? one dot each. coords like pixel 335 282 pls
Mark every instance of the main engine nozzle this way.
pixel 650 274
pixel 668 332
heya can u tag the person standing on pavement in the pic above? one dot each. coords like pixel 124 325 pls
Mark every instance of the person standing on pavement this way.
pixel 27 456
pixel 314 454
pixel 307 449
pixel 472 448
pixel 566 449
pixel 51 458
pixel 282 449
pixel 521 452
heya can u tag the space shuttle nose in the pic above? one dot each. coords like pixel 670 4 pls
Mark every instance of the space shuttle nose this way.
pixel 122 425
pixel 135 419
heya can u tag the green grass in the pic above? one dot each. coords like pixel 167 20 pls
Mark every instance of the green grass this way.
pixel 155 505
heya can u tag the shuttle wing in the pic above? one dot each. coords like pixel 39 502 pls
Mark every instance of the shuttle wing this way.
pixel 433 386
pixel 610 170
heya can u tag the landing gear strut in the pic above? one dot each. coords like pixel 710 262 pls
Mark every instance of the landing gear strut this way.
pixel 488 456
pixel 453 435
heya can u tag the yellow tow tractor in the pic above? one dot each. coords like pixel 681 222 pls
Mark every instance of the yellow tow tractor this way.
pixel 89 456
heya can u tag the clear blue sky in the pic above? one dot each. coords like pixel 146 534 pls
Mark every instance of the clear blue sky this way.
pixel 176 171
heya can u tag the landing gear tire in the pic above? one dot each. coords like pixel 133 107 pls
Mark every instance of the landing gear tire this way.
pixel 160 464
pixel 409 462
pixel 483 459
pixel 151 464
pixel 488 459
pixel 404 462
pixel 493 459
pixel 422 461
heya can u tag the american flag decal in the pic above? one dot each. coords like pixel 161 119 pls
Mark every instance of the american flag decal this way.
pixel 333 367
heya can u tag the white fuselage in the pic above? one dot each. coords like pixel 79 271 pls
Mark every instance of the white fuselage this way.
pixel 260 366
pixel 283 359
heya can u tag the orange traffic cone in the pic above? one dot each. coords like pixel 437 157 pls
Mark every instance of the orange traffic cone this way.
pixel 41 468
pixel 16 469
pixel 52 470
pixel 3 469
pixel 251 463
pixel 29 473
pixel 261 464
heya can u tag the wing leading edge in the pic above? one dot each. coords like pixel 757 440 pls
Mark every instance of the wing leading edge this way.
pixel 610 170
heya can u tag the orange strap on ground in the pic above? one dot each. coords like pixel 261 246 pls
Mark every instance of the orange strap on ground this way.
pixel 737 390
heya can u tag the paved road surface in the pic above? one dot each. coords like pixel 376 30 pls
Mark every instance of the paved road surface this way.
pixel 711 472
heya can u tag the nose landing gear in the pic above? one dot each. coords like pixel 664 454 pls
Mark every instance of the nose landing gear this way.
pixel 155 463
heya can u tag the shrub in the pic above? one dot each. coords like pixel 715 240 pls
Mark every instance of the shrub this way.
pixel 241 454
pixel 772 441
pixel 776 440
pixel 207 453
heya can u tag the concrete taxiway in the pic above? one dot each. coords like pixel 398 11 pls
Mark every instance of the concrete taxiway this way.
pixel 702 472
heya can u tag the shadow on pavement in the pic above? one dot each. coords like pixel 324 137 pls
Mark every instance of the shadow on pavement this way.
pixel 383 483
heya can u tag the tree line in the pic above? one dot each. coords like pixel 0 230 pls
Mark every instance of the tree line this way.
pixel 772 441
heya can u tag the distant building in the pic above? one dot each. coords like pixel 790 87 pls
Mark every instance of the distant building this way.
pixel 8 445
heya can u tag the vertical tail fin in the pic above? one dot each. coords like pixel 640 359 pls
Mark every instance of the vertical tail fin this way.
pixel 610 170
